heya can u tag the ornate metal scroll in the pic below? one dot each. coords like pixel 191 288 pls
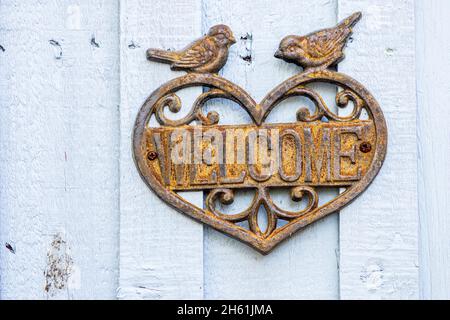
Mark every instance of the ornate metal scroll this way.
pixel 320 149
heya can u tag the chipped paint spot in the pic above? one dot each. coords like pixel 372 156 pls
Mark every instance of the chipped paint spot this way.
pixel 389 51
pixel 246 47
pixel 247 58
pixel 372 276
pixel 398 242
pixel 73 21
pixel 59 266
pixel 10 247
pixel 58 49
pixel 133 45
pixel 94 42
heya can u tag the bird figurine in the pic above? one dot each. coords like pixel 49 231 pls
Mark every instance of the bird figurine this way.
pixel 319 49
pixel 205 55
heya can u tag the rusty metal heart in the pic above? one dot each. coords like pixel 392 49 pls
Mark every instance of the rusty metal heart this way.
pixel 147 150
pixel 322 148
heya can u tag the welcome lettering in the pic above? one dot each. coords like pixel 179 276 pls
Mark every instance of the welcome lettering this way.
pixel 319 154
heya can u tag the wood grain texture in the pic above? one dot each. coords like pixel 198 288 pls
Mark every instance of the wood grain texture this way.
pixel 59 81
pixel 304 266
pixel 161 250
pixel 379 231
pixel 433 91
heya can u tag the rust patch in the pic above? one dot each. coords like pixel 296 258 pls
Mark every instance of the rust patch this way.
pixel 59 266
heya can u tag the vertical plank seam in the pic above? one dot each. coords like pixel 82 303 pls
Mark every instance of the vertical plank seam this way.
pixel 424 276
pixel 202 28
pixel 418 213
pixel 119 146
pixel 338 255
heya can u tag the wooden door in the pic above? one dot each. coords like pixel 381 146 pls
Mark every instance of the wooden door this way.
pixel 77 221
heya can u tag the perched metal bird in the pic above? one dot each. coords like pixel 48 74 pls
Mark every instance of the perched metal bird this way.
pixel 322 48
pixel 206 55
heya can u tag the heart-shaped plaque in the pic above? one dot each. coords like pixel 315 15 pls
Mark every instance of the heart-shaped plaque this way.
pixel 320 149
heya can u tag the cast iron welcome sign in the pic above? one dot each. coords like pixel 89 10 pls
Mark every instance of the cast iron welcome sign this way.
pixel 320 149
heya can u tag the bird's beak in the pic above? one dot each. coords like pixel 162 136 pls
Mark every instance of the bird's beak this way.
pixel 278 54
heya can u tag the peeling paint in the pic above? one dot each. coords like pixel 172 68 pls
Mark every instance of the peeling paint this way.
pixel 59 266
pixel 373 276
pixel 246 47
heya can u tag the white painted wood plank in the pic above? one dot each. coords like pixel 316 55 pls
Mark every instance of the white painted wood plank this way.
pixel 304 266
pixel 59 77
pixel 379 231
pixel 161 250
pixel 433 92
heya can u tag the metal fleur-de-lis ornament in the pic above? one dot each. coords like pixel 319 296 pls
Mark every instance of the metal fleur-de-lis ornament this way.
pixel 321 149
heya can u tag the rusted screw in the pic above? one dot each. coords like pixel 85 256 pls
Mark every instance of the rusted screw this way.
pixel 152 155
pixel 365 147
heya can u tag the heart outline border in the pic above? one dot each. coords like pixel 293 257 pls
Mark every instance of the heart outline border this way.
pixel 259 112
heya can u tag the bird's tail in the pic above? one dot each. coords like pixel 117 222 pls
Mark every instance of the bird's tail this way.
pixel 351 20
pixel 161 55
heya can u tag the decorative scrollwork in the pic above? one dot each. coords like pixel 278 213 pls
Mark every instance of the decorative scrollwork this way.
pixel 261 198
pixel 342 99
pixel 271 219
pixel 226 196
pixel 173 102
pixel 297 194
pixel 222 88
pixel 303 113
pixel 321 109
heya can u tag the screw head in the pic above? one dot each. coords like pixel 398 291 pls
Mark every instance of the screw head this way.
pixel 152 155
pixel 365 147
